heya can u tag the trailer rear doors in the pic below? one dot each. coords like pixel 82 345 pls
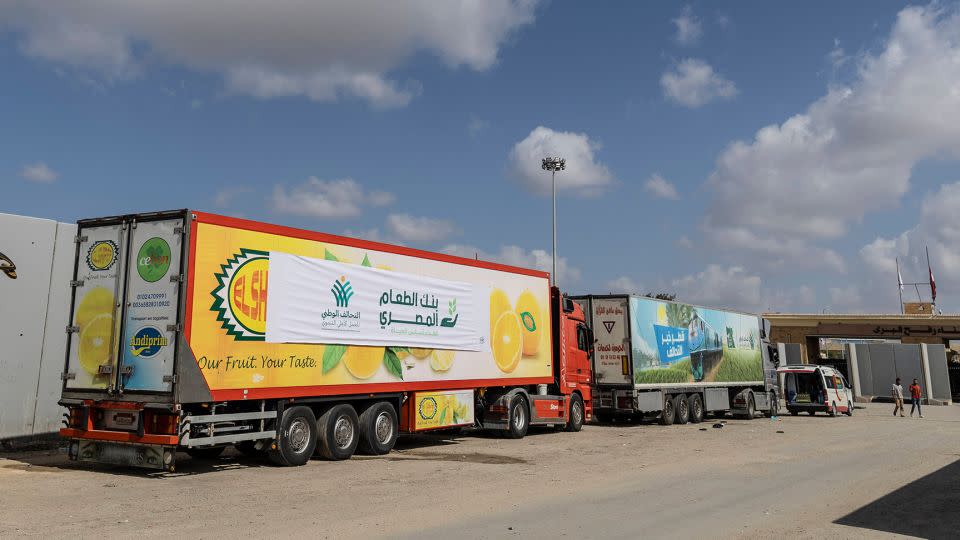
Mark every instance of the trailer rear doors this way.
pixel 609 317
pixel 126 302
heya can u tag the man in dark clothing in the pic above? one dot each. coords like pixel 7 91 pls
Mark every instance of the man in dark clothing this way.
pixel 915 398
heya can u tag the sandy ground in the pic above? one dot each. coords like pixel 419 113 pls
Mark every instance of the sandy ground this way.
pixel 872 476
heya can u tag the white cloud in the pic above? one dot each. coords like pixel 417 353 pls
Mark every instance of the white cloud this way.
pixel 321 50
pixel 804 181
pixel 623 285
pixel 723 287
pixel 689 27
pixel 693 83
pixel 225 196
pixel 327 198
pixel 660 187
pixel 419 229
pixel 536 259
pixel 39 172
pixel 685 242
pixel 583 175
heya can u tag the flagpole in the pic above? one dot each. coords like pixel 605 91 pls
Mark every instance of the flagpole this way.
pixel 899 284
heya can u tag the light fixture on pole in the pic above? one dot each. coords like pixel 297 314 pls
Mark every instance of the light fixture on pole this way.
pixel 554 164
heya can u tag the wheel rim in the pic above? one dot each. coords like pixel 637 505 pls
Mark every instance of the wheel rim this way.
pixel 518 416
pixel 343 432
pixel 684 409
pixel 577 412
pixel 299 436
pixel 384 428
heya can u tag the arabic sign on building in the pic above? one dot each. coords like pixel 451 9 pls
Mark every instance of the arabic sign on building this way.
pixel 318 301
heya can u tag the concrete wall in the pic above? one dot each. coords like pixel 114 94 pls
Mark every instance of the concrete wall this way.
pixel 874 368
pixel 34 311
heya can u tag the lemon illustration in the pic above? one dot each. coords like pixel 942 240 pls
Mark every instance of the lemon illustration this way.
pixel 499 303
pixel 363 362
pixel 97 301
pixel 442 360
pixel 402 353
pixel 529 312
pixel 94 346
pixel 420 354
pixel 507 341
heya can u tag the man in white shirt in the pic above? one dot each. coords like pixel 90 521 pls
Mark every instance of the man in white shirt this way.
pixel 897 397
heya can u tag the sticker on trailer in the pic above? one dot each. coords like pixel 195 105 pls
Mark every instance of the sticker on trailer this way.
pixel 610 330
pixel 443 409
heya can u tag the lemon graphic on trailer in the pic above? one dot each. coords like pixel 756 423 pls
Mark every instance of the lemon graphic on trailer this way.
pixel 507 341
pixel 529 312
pixel 442 360
pixel 363 362
pixel 420 354
pixel 94 346
pixel 98 301
pixel 499 303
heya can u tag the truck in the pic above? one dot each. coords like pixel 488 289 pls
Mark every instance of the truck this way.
pixel 192 332
pixel 677 361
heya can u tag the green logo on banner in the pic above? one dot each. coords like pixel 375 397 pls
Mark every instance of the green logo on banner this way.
pixel 153 259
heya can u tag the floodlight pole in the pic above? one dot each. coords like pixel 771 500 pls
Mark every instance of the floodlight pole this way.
pixel 554 164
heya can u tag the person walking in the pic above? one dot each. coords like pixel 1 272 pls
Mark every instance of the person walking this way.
pixel 897 398
pixel 915 398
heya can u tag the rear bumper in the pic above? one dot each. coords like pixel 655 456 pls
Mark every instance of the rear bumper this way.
pixel 119 436
pixel 156 452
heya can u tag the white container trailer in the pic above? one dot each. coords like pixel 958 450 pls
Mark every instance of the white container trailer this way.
pixel 677 361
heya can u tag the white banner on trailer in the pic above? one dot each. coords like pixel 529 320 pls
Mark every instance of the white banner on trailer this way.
pixel 318 301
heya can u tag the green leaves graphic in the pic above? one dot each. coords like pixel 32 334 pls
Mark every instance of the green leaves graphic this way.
pixel 366 261
pixel 332 355
pixel 329 256
pixel 393 364
pixel 452 306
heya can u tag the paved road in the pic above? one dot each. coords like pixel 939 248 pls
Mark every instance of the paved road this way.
pixel 872 476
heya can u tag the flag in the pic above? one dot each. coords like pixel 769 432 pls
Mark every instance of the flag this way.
pixel 899 277
pixel 933 283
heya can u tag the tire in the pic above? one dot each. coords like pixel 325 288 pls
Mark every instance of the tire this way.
pixel 338 432
pixel 751 408
pixel 668 413
pixel 207 454
pixel 297 439
pixel 849 409
pixel 682 407
pixel 812 413
pixel 696 408
pixel 577 414
pixel 774 405
pixel 518 421
pixel 378 429
pixel 833 409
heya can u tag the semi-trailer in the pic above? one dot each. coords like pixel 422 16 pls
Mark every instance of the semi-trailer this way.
pixel 194 331
pixel 677 361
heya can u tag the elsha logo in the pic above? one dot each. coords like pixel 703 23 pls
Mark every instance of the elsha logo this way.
pixel 342 292
pixel 7 267
pixel 102 255
pixel 147 342
pixel 240 298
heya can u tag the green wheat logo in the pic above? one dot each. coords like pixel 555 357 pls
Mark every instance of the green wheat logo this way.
pixel 342 292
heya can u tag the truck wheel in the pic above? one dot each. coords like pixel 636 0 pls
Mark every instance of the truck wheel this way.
pixel 378 429
pixel 668 412
pixel 751 408
pixel 682 406
pixel 577 414
pixel 206 453
pixel 297 439
pixel 774 405
pixel 833 409
pixel 696 408
pixel 338 434
pixel 519 418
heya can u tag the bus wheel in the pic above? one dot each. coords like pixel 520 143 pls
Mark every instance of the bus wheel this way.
pixel 696 408
pixel 298 437
pixel 519 418
pixel 339 430
pixel 577 415
pixel 378 429
pixel 682 406
pixel 668 412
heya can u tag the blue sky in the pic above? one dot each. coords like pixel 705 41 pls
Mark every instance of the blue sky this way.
pixel 420 126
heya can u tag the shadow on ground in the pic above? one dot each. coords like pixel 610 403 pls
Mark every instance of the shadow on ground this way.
pixel 926 507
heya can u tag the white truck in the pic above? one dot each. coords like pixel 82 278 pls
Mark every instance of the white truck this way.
pixel 677 361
